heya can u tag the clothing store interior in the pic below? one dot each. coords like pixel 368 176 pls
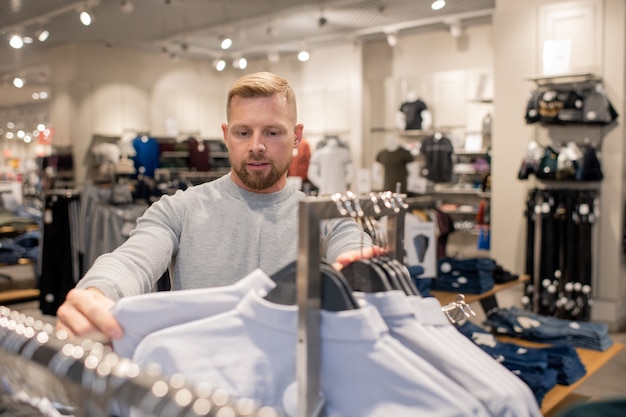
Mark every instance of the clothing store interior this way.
pixel 479 144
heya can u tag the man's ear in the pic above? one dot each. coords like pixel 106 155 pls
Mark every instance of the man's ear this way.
pixel 297 135
pixel 225 133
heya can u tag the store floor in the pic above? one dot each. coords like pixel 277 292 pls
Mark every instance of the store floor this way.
pixel 607 382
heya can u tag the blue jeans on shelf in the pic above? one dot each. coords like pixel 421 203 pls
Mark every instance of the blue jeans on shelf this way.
pixel 527 325
pixel 540 368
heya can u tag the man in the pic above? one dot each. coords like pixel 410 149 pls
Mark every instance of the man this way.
pixel 216 233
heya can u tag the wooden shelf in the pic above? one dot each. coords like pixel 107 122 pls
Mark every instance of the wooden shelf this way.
pixel 446 297
pixel 561 395
pixel 14 296
pixel 592 359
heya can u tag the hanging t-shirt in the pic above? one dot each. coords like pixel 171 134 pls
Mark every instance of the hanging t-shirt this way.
pixel 413 112
pixel 330 169
pixel 395 163
pixel 438 150
pixel 198 155
pixel 300 161
pixel 147 156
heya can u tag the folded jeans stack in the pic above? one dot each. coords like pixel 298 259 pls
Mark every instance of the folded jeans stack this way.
pixel 513 321
pixel 540 368
pixel 469 276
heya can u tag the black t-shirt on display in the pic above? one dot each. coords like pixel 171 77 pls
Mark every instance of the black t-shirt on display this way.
pixel 413 112
pixel 438 150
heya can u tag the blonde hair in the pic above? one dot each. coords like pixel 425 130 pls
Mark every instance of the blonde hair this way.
pixel 263 84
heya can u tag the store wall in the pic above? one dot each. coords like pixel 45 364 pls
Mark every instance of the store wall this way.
pixel 519 31
pixel 108 91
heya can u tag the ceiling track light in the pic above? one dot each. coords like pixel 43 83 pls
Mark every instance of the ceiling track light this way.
pixel 86 16
pixel 18 82
pixel 240 63
pixel 226 42
pixel 392 38
pixel 127 6
pixel 219 64
pixel 303 55
pixel 16 41
pixel 42 35
pixel 273 57
pixel 438 4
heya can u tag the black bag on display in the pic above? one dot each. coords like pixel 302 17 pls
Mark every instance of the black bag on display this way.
pixel 532 107
pixel 567 106
pixel 572 110
pixel 550 105
pixel 598 109
pixel 590 168
pixel 548 164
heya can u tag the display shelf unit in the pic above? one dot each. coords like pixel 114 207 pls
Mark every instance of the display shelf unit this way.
pixel 14 296
pixel 446 297
pixel 561 395
pixel 18 279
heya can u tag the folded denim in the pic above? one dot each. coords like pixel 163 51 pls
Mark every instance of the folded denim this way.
pixel 527 325
pixel 540 368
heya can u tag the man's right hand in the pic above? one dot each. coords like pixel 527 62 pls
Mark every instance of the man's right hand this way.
pixel 88 311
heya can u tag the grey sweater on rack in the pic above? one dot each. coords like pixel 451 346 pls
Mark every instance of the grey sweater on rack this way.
pixel 211 235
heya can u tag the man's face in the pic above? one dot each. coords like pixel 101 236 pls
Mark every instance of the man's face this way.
pixel 260 138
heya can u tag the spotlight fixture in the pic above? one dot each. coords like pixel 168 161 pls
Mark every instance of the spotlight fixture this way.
pixel 219 64
pixel 438 4
pixel 273 57
pixel 303 55
pixel 226 43
pixel 86 17
pixel 322 21
pixel 240 63
pixel 42 35
pixel 456 30
pixel 392 38
pixel 18 82
pixel 127 6
pixel 16 41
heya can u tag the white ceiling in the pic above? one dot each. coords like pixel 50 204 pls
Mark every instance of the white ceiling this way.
pixel 192 28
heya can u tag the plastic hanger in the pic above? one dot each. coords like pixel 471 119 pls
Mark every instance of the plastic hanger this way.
pixel 365 275
pixel 405 277
pixel 336 293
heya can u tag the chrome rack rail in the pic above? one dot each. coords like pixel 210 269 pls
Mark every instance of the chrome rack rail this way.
pixel 312 211
pixel 43 370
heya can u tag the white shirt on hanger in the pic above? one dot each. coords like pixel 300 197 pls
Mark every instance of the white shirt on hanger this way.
pixel 251 352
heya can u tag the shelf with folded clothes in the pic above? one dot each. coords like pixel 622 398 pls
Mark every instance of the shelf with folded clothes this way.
pixel 592 360
pixel 553 367
pixel 478 279
pixel 18 258
pixel 446 297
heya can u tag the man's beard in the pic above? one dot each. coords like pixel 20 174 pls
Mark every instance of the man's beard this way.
pixel 257 180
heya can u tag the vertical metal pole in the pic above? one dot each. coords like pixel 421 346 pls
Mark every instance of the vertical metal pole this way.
pixel 308 295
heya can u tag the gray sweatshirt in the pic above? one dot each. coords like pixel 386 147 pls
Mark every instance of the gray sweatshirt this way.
pixel 211 235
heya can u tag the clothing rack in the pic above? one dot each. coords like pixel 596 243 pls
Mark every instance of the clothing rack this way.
pixel 40 367
pixel 312 211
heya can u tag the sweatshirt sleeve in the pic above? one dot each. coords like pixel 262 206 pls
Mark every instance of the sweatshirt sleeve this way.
pixel 342 235
pixel 135 266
